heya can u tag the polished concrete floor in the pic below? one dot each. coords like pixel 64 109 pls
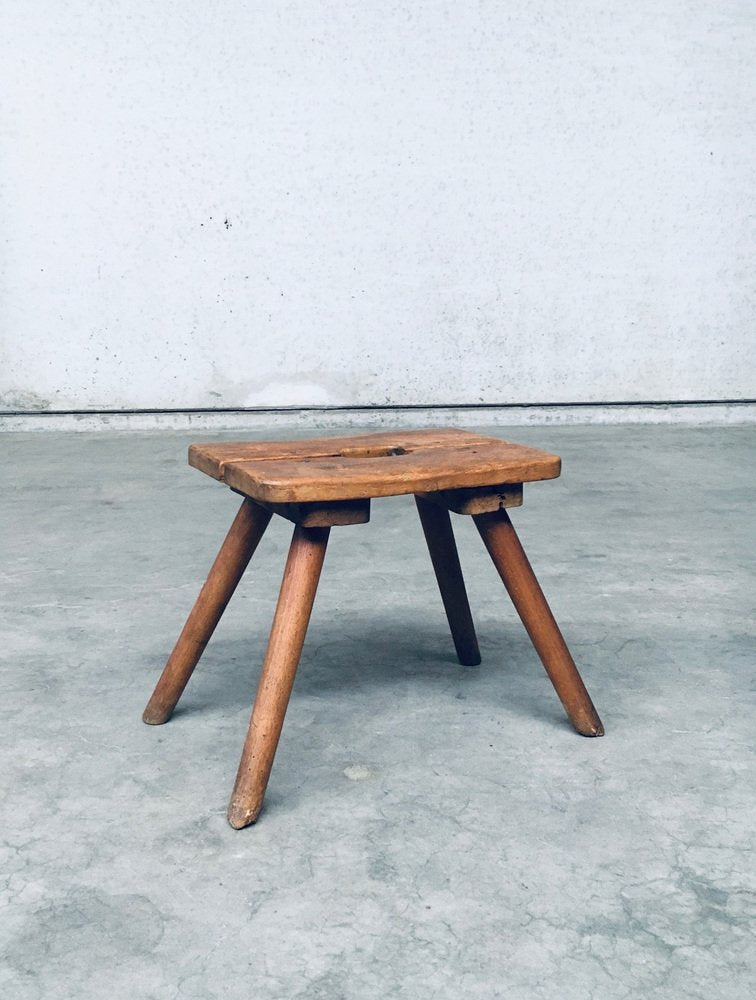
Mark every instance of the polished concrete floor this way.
pixel 431 830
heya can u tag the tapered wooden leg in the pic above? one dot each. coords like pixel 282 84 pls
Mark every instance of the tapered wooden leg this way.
pixel 300 582
pixel 241 541
pixel 443 552
pixel 510 560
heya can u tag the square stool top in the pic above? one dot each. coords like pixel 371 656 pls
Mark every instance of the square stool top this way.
pixel 363 466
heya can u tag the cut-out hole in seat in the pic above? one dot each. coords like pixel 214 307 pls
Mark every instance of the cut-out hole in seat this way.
pixel 371 452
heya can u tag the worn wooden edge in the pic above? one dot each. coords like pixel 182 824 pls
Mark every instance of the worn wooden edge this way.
pixel 251 480
pixel 200 459
pixel 477 500
pixel 318 513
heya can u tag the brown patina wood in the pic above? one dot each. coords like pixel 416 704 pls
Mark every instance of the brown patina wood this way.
pixel 372 465
pixel 325 482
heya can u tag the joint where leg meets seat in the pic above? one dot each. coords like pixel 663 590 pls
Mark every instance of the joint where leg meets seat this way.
pixel 477 500
pixel 324 514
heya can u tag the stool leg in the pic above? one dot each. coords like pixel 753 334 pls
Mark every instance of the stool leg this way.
pixel 443 552
pixel 510 560
pixel 300 582
pixel 241 541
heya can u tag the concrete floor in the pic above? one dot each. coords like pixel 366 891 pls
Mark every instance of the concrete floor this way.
pixel 431 830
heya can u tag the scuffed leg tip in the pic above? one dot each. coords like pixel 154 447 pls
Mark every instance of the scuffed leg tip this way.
pixel 239 817
pixel 471 661
pixel 595 729
pixel 153 717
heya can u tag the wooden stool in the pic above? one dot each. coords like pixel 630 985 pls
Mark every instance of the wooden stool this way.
pixel 330 481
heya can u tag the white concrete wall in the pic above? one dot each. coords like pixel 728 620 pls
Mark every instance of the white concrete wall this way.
pixel 289 203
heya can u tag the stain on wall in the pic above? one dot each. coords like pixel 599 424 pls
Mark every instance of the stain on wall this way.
pixel 23 401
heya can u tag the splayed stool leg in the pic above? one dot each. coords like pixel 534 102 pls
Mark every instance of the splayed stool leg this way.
pixel 439 535
pixel 518 577
pixel 233 558
pixel 300 582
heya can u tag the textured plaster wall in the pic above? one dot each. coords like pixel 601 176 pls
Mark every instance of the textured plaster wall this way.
pixel 241 204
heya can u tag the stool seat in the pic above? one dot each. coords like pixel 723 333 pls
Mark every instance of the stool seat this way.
pixel 359 467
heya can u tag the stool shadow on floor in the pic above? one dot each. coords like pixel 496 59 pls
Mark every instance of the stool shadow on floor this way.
pixel 379 654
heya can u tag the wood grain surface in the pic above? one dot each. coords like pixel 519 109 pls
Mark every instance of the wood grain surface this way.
pixel 371 465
